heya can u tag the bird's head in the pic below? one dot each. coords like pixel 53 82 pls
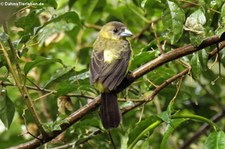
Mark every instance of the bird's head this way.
pixel 114 30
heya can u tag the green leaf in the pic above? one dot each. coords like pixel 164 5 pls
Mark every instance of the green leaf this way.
pixel 69 17
pixel 7 109
pixel 170 129
pixel 165 116
pixel 40 61
pixel 215 140
pixel 51 3
pixel 152 6
pixel 142 58
pixel 28 25
pixel 203 58
pixel 55 126
pixel 221 27
pixel 91 6
pixel 195 66
pixel 145 126
pixel 4 37
pixel 194 24
pixel 60 75
pixel 173 19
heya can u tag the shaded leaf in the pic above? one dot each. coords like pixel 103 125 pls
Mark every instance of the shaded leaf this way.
pixel 142 58
pixel 203 58
pixel 221 27
pixel 195 66
pixel 151 6
pixel 7 109
pixel 23 22
pixel 60 75
pixel 145 126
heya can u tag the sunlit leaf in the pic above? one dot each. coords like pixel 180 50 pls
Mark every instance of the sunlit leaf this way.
pixel 70 17
pixel 216 140
pixel 40 61
pixel 173 19
pixel 195 25
pixel 170 129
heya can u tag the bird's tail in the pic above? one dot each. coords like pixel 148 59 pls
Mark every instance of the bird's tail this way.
pixel 110 112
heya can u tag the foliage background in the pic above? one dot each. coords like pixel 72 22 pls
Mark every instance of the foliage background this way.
pixel 51 44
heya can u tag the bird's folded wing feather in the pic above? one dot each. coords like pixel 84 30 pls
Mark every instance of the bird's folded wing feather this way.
pixel 109 74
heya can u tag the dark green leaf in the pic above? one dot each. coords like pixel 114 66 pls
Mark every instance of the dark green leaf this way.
pixel 151 6
pixel 61 75
pixel 173 19
pixel 145 126
pixel 7 109
pixel 71 2
pixel 215 140
pixel 28 25
pixel 142 58
pixel 195 66
pixel 203 58
pixel 40 61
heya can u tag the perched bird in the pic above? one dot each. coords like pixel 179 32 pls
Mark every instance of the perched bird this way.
pixel 108 67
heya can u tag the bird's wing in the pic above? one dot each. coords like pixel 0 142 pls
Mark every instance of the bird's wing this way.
pixel 96 65
pixel 109 74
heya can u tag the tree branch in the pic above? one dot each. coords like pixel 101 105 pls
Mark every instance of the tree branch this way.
pixel 169 56
pixel 20 83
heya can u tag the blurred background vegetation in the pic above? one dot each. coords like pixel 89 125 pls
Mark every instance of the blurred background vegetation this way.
pixel 51 41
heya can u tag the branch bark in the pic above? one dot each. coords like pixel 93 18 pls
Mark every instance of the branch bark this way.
pixel 169 56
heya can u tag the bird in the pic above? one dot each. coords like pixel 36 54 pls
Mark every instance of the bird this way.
pixel 110 59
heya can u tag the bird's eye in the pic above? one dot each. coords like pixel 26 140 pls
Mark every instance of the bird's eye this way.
pixel 115 30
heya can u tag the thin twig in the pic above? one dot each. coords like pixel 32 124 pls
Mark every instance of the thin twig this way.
pixel 25 122
pixel 48 90
pixel 157 39
pixel 111 139
pixel 20 84
pixel 97 27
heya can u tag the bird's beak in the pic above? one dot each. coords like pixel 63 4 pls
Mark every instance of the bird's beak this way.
pixel 126 33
